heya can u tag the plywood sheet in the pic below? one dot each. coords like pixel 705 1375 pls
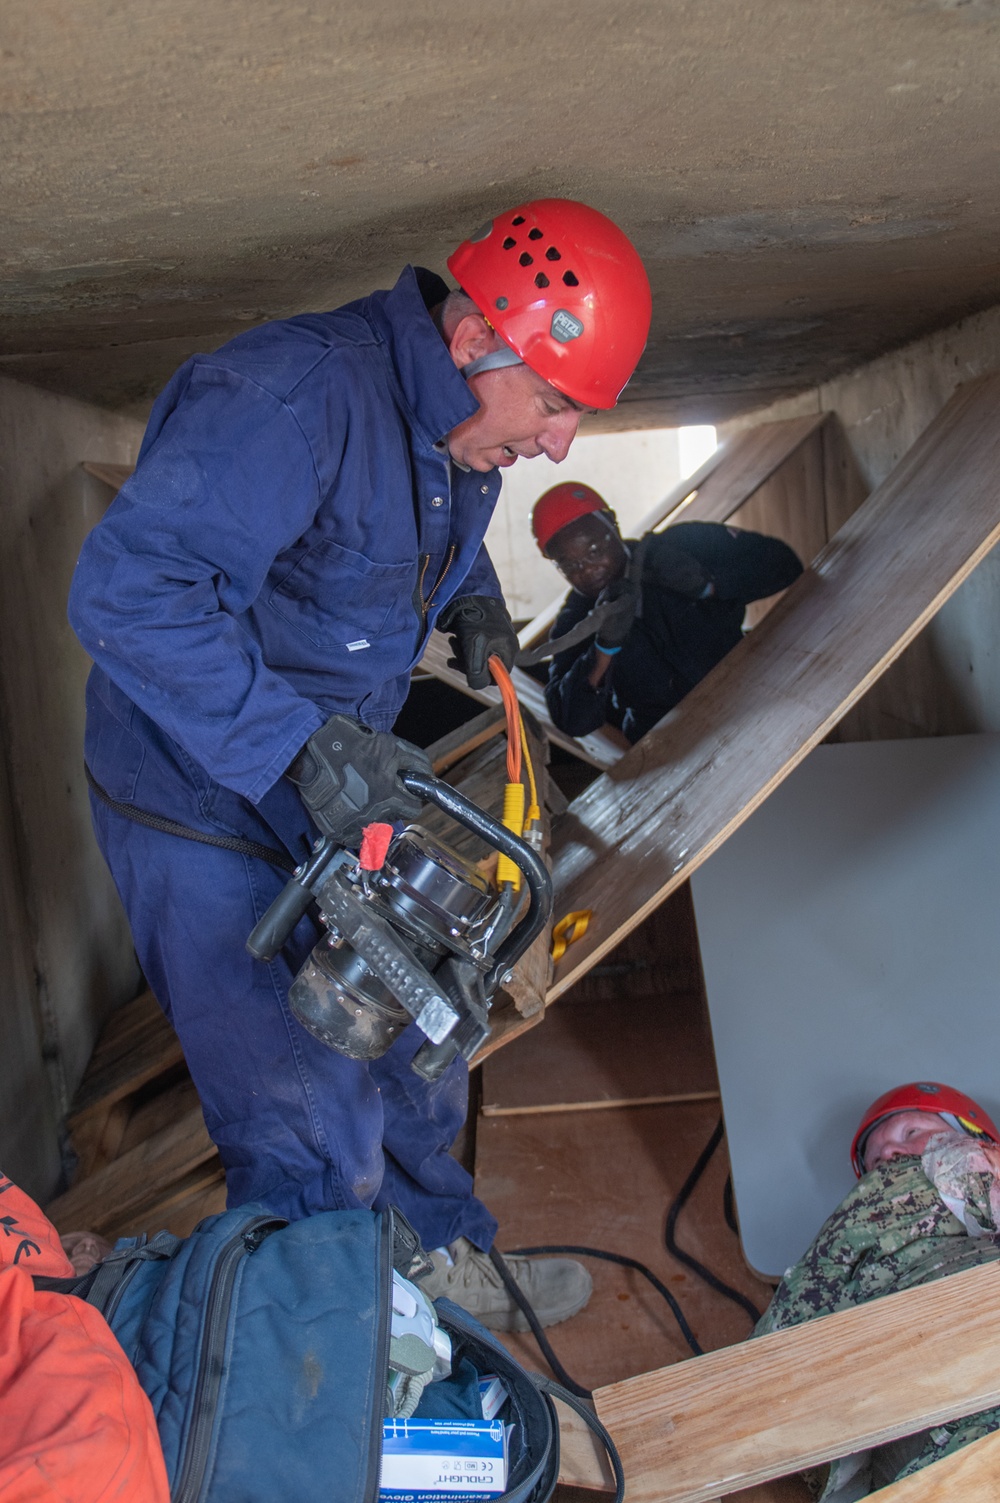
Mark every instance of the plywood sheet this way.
pixel 853 917
pixel 590 1052
pixel 642 828
pixel 746 461
pixel 798 1397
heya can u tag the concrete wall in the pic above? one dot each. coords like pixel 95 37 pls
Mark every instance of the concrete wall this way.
pixel 948 680
pixel 633 471
pixel 66 957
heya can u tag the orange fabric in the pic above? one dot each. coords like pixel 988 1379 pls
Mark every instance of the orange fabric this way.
pixel 75 1427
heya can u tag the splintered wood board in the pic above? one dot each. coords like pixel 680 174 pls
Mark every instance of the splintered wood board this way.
pixel 114 1197
pixel 598 749
pixel 716 490
pixel 798 1397
pixel 642 828
pixel 590 1054
pixel 136 1044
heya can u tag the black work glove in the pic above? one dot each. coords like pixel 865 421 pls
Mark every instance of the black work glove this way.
pixel 673 569
pixel 621 596
pixel 481 627
pixel 347 776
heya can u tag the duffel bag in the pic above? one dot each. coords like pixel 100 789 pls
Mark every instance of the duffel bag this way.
pixel 264 1346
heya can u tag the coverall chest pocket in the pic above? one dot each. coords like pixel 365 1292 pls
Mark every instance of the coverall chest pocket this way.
pixel 337 598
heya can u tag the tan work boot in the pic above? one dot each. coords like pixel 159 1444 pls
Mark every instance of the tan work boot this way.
pixel 556 1288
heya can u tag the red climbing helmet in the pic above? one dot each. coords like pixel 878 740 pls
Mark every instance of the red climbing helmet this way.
pixel 561 504
pixel 564 287
pixel 957 1109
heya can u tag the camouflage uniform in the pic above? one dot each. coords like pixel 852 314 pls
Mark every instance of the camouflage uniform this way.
pixel 892 1232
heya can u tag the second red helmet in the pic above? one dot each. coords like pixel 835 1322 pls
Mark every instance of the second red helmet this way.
pixel 562 504
pixel 957 1109
pixel 564 287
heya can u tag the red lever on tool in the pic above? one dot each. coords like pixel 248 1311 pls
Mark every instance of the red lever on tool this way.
pixel 375 840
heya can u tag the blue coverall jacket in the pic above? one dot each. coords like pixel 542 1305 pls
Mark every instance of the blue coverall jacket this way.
pixel 293 528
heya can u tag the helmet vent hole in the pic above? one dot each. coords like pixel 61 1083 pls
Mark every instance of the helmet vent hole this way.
pixel 571 279
pixel 552 254
pixel 518 220
pixel 525 259
pixel 541 280
pixel 509 243
pixel 535 234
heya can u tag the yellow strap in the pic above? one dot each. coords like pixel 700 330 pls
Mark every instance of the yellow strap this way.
pixel 568 931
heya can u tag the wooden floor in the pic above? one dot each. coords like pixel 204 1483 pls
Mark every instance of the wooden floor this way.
pixel 604 1175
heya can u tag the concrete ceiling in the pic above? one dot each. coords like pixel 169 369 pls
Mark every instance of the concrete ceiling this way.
pixel 809 183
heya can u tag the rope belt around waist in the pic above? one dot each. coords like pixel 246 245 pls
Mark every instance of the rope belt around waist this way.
pixel 170 827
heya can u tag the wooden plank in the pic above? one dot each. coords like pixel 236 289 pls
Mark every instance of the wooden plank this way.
pixel 713 493
pixel 798 1397
pixel 790 505
pixel 556 1108
pixel 599 749
pixel 640 830
pixel 746 461
pixel 583 1461
pixel 683 1098
pixel 971 1475
pixel 116 1194
pixel 447 750
pixel 114 475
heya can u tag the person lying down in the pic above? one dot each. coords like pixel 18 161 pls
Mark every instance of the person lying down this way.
pixel 927 1204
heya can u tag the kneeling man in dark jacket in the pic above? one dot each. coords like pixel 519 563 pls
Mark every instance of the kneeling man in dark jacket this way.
pixel 675 602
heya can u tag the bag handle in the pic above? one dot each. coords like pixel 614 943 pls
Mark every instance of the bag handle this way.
pixel 556 1391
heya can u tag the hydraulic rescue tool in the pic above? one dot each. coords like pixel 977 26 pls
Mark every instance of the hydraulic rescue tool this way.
pixel 414 932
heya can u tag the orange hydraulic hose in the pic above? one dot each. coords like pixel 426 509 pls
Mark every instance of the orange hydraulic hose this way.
pixel 509 696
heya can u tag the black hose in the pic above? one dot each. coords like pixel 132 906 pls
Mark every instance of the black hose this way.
pixel 521 1300
pixel 669 1237
pixel 571 1250
pixel 728 1206
pixel 610 1257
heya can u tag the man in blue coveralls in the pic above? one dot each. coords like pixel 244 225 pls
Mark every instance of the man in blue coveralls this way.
pixel 308 504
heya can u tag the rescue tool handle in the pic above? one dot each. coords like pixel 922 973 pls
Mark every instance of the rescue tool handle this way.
pixel 533 868
pixel 270 933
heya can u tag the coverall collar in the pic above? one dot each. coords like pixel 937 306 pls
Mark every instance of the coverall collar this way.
pixel 436 395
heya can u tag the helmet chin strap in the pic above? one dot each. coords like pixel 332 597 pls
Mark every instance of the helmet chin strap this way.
pixel 496 360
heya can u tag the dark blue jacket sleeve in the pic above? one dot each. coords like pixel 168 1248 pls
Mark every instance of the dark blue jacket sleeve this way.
pixel 481 578
pixel 185 547
pixel 576 708
pixel 741 565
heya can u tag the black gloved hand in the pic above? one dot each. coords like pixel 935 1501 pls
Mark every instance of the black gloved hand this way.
pixel 481 628
pixel 347 776
pixel 673 569
pixel 622 596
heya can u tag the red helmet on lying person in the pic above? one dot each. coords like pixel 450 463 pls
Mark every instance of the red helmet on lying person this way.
pixel 565 289
pixel 954 1107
